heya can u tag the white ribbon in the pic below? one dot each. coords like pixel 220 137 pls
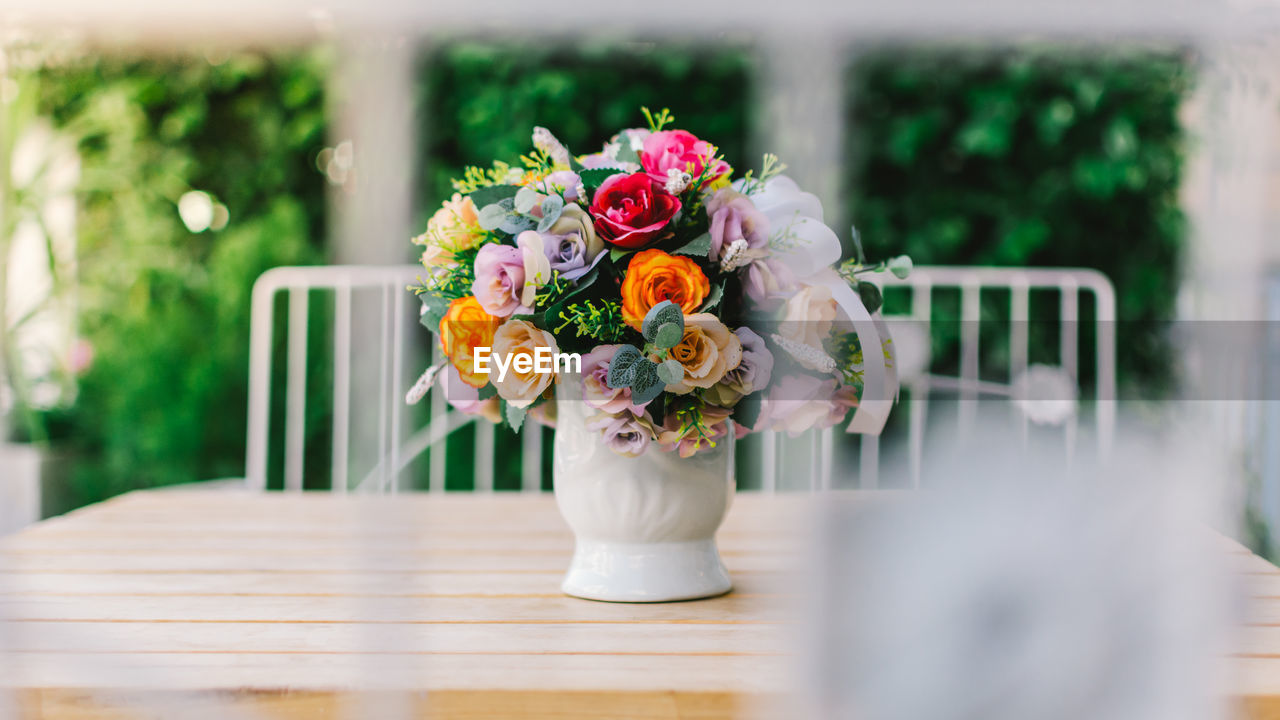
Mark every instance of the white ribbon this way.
pixel 809 248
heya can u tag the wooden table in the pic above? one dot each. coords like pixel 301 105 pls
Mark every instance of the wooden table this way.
pixel 295 606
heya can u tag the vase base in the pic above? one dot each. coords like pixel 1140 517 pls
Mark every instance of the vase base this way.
pixel 646 572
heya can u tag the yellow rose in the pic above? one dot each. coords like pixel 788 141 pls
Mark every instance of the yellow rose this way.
pixel 517 343
pixel 707 351
pixel 809 316
pixel 454 227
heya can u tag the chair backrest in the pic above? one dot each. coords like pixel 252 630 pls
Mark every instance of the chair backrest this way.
pixel 370 312
pixel 1065 286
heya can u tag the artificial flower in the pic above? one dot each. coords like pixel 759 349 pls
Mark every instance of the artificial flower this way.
pixel 595 391
pixel 499 283
pixel 800 402
pixel 466 399
pixel 454 227
pixel 735 222
pixel 751 375
pixel 514 339
pixel 625 432
pixel 767 281
pixel 632 211
pixel 707 351
pixel 464 327
pixel 809 316
pixel 686 437
pixel 683 151
pixel 654 276
pixel 537 266
pixel 574 220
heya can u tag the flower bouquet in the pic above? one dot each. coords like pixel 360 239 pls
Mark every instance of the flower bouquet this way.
pixel 652 308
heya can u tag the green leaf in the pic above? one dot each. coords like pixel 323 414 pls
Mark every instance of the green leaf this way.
pixel 747 411
pixel 698 247
pixel 594 178
pixel 515 415
pixel 646 383
pixel 526 199
pixel 492 194
pixel 551 209
pixel 671 372
pixel 664 313
pixel 516 224
pixel 625 152
pixel 713 298
pixel 434 308
pixel 668 336
pixel 492 216
pixel 871 296
pixel 487 391
pixel 551 316
pixel 616 254
pixel 622 368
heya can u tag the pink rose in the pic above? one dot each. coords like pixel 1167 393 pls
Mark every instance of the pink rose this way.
pixel 768 281
pixel 625 433
pixel 499 283
pixel 595 392
pixel 688 439
pixel 466 399
pixel 631 211
pixel 682 151
pixel 801 402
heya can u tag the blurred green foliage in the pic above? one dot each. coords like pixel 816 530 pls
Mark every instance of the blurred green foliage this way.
pixel 480 100
pixel 165 309
pixel 1051 157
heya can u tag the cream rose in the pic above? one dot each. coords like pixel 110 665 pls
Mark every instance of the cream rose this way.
pixel 575 220
pixel 707 351
pixel 809 316
pixel 517 338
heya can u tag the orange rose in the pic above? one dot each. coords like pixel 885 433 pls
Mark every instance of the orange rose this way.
pixel 463 328
pixel 654 276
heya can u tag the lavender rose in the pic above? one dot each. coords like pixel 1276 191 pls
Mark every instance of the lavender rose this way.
pixel 751 375
pixel 499 283
pixel 624 433
pixel 734 219
pixel 595 392
pixel 768 281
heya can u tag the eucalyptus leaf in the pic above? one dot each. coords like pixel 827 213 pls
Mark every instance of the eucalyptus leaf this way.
pixel 698 247
pixel 526 199
pixel 516 224
pixel 622 368
pixel 671 372
pixel 552 205
pixel 668 336
pixel 546 222
pixel 900 266
pixel 515 416
pixel 434 308
pixel 492 194
pixel 646 384
pixel 871 296
pixel 491 217
pixel 664 313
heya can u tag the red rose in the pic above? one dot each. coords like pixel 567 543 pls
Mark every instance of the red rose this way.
pixel 631 210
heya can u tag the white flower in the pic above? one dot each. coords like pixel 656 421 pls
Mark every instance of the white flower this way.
pixel 677 181
pixel 735 256
pixel 807 355
pixel 546 142
pixel 420 388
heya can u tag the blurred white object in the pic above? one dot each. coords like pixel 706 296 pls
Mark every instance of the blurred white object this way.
pixel 19 486
pixel 1047 395
pixel 1021 597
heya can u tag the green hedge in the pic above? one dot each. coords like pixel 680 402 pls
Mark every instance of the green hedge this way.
pixel 166 310
pixel 1030 157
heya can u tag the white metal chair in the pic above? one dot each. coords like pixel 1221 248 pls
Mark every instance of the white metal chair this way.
pixel 389 336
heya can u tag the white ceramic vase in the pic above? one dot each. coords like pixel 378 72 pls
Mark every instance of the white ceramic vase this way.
pixel 644 527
